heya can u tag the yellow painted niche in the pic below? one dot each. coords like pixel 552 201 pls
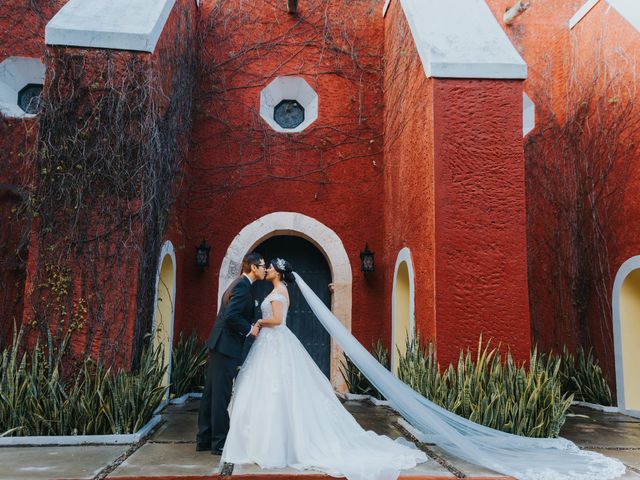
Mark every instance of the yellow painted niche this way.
pixel 401 314
pixel 164 312
pixel 630 335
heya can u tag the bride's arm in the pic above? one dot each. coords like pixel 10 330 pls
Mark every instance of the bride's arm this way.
pixel 278 310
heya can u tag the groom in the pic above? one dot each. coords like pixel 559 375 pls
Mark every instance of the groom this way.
pixel 226 341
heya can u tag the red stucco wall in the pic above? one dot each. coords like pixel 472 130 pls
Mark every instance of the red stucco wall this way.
pixel 21 34
pixel 240 169
pixel 481 257
pixel 394 160
pixel 454 194
pixel 599 47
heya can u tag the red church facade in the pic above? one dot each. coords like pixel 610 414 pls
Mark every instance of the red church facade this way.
pixel 398 141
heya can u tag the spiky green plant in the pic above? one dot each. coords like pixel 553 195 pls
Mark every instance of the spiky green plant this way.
pixel 490 389
pixel 189 361
pixel 356 382
pixel 36 400
pixel 581 375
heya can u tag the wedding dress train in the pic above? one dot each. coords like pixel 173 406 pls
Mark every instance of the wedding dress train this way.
pixel 521 457
pixel 284 412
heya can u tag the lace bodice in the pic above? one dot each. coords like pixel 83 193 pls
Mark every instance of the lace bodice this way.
pixel 267 309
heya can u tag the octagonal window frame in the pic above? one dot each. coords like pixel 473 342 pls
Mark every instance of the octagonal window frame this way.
pixel 15 74
pixel 288 88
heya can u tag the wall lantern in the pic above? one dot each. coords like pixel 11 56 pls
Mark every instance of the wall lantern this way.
pixel 292 6
pixel 202 255
pixel 366 260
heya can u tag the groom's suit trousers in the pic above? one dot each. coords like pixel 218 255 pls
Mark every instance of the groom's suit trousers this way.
pixel 225 344
pixel 213 422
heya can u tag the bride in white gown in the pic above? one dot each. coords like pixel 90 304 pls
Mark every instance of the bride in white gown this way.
pixel 284 411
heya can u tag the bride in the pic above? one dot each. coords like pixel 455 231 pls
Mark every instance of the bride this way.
pixel 284 411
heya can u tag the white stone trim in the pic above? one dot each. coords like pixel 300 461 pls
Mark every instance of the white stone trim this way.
pixel 528 114
pixel 403 256
pixel 289 88
pixel 580 14
pixel 167 249
pixel 116 24
pixel 462 41
pixel 325 239
pixel 625 269
pixel 15 74
pixel 385 7
pixel 121 439
pixel 629 10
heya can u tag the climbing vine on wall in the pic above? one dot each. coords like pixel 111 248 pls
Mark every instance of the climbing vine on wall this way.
pixel 326 44
pixel 578 164
pixel 114 129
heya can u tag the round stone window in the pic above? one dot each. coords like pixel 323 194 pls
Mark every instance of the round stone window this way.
pixel 29 98
pixel 288 114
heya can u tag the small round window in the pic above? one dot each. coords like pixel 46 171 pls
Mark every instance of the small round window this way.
pixel 29 98
pixel 288 114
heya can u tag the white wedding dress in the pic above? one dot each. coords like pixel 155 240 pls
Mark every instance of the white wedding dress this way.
pixel 284 413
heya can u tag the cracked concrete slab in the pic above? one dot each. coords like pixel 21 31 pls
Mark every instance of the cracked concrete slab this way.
pixel 468 469
pixel 589 428
pixel 166 460
pixel 176 428
pixel 170 451
pixel 77 462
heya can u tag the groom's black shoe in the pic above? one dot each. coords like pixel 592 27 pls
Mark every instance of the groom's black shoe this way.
pixel 202 447
pixel 216 452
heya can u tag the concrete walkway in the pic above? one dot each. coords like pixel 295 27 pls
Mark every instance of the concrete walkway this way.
pixel 169 453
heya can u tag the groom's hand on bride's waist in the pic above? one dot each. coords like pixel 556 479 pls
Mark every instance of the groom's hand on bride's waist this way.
pixel 255 329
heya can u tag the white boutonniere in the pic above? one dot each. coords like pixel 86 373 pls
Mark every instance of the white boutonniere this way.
pixel 256 302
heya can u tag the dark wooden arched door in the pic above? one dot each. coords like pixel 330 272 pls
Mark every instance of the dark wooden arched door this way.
pixel 311 265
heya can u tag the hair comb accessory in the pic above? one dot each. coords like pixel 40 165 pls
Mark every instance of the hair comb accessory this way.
pixel 280 264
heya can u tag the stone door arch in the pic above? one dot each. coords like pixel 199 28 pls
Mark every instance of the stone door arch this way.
pixel 325 239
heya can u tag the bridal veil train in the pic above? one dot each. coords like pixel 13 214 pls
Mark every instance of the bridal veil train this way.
pixel 521 457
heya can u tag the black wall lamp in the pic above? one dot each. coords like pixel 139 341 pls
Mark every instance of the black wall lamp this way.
pixel 202 255
pixel 292 6
pixel 366 260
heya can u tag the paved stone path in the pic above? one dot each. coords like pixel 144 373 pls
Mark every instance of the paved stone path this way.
pixel 170 451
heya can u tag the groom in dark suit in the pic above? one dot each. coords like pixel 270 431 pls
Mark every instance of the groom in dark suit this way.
pixel 226 342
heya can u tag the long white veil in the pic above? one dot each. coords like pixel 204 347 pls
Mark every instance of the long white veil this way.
pixel 521 457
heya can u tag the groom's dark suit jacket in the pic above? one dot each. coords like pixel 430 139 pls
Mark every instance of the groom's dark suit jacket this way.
pixel 234 319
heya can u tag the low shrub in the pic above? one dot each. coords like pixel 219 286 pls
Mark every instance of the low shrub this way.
pixel 582 376
pixel 36 400
pixel 491 389
pixel 188 365
pixel 356 382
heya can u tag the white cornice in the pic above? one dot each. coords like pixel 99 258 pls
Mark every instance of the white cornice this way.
pixel 462 41
pixel 116 24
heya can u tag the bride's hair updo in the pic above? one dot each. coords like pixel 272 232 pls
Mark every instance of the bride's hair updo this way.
pixel 284 269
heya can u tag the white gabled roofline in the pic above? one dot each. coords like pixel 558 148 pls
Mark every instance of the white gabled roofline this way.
pixel 580 14
pixel 628 9
pixel 462 42
pixel 116 24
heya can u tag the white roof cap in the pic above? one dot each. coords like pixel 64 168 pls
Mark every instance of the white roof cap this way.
pixel 113 24
pixel 462 40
